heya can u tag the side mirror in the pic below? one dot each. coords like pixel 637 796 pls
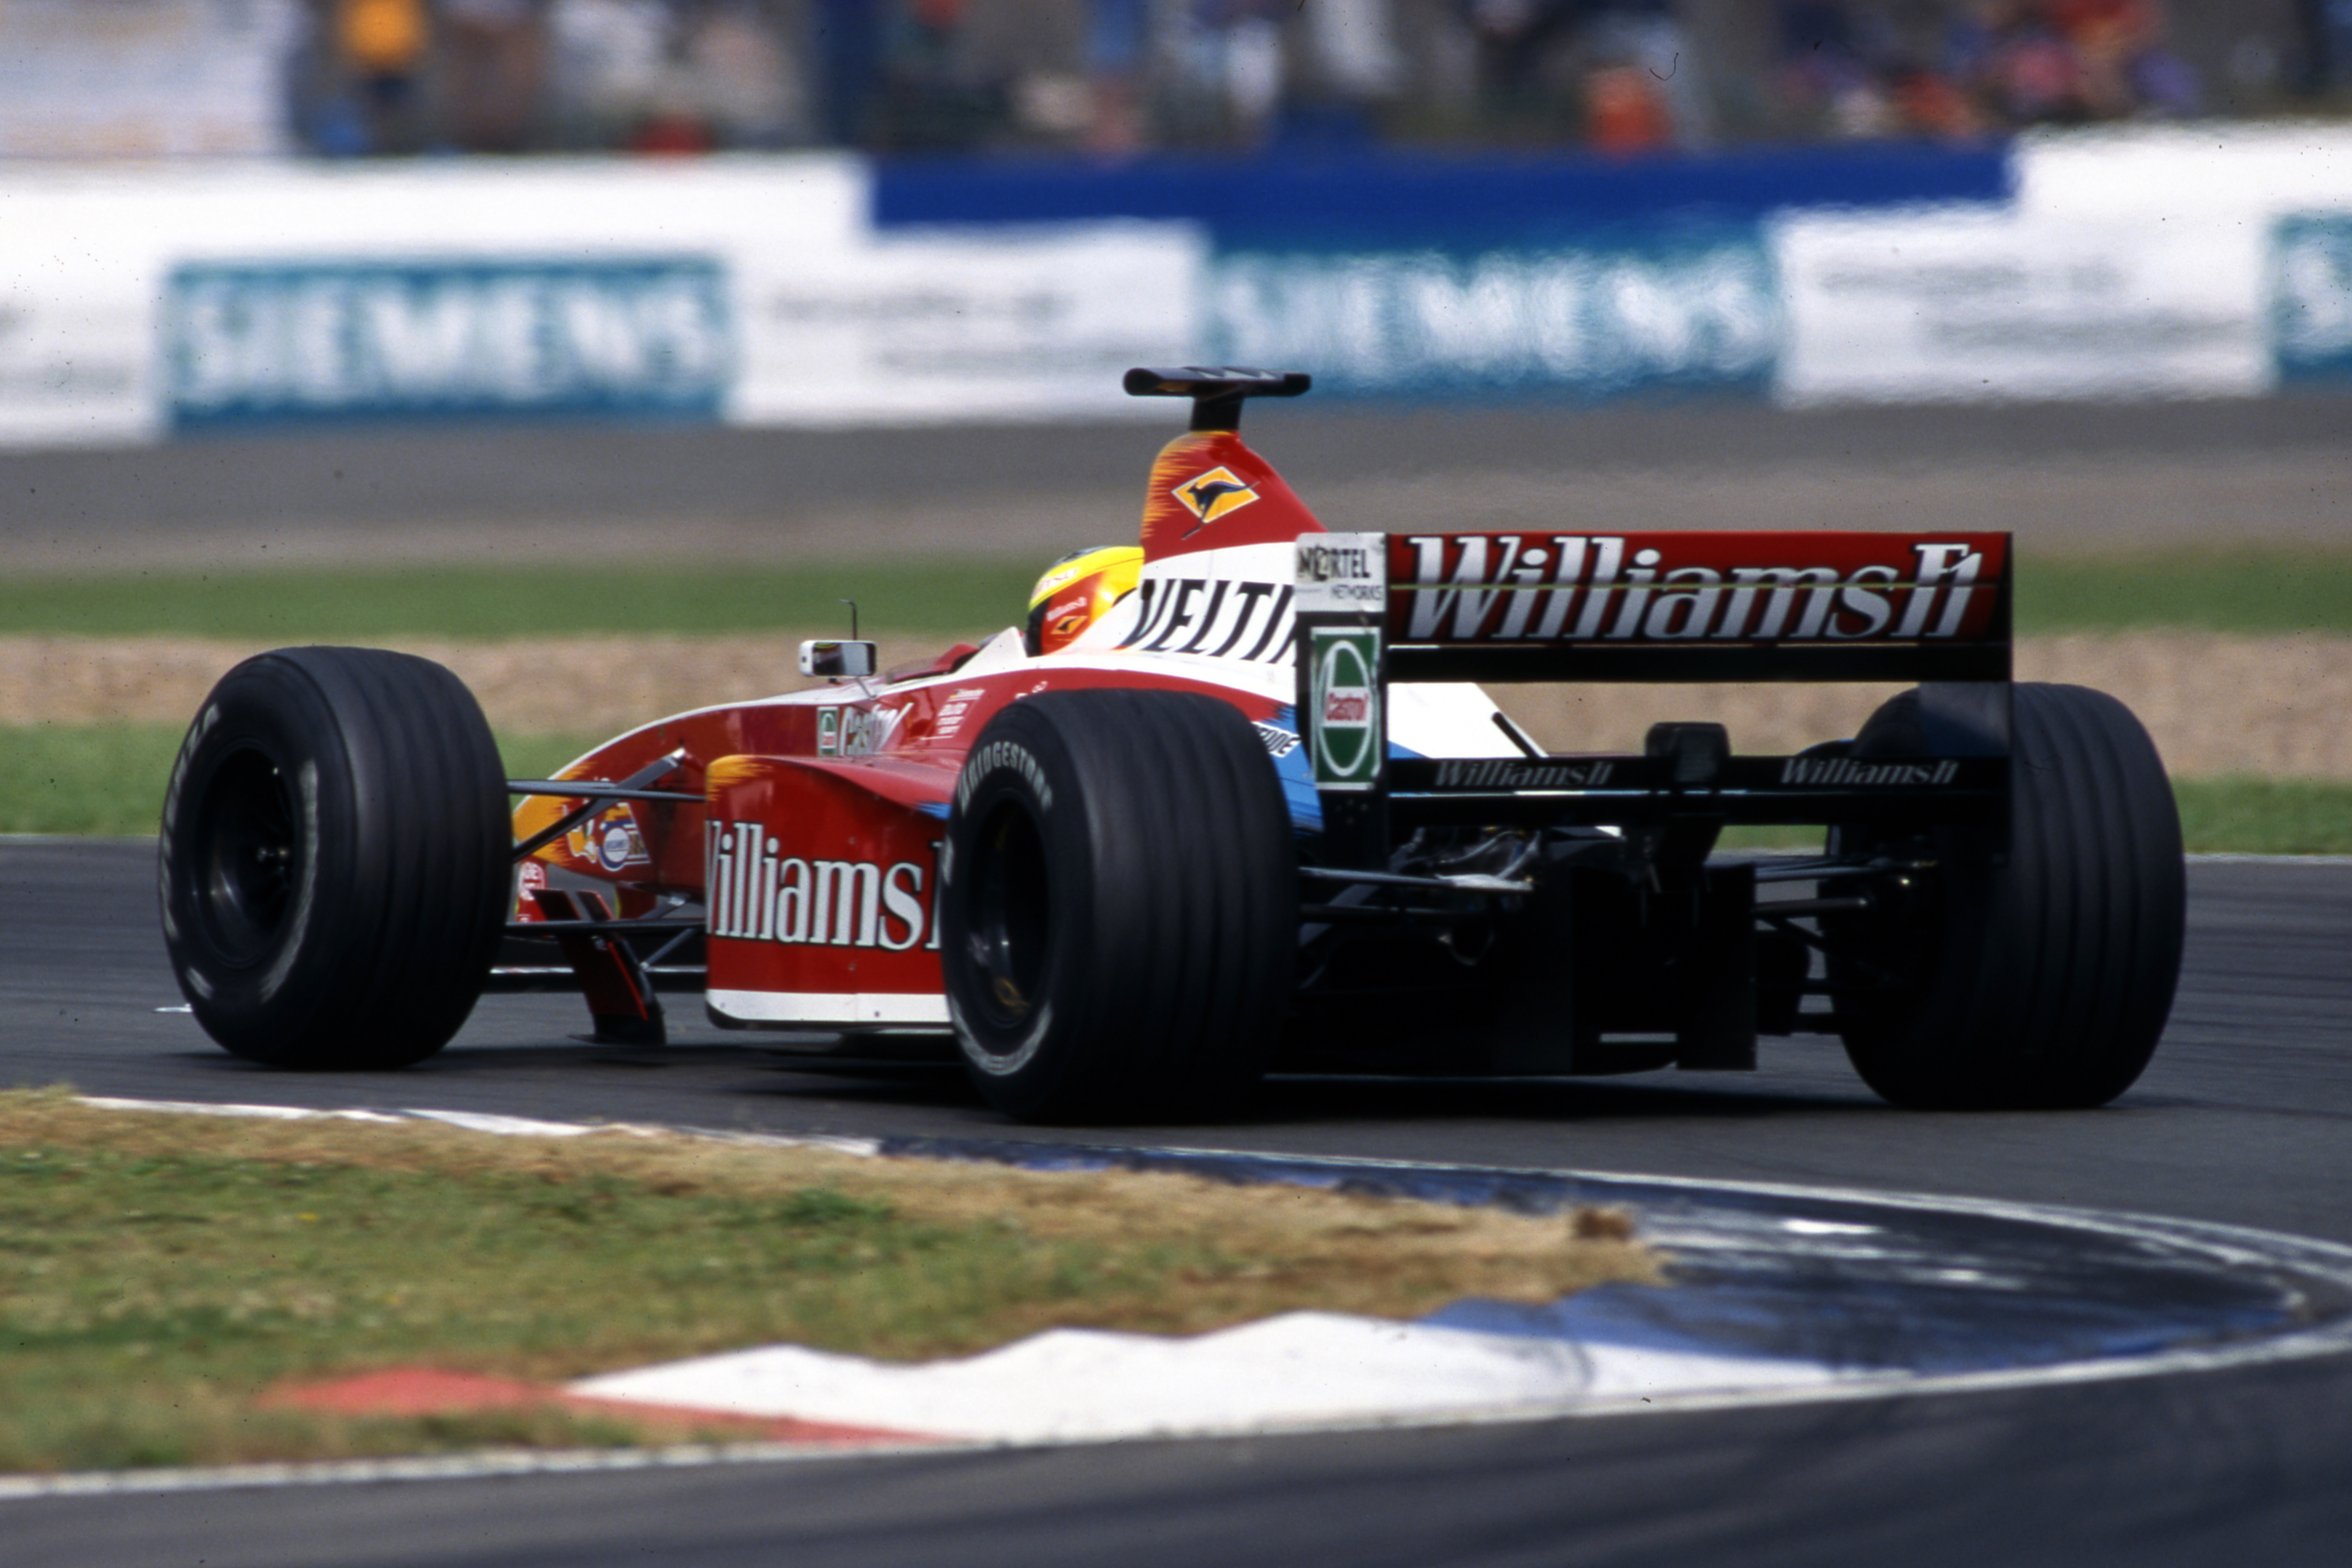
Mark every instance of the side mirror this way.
pixel 838 661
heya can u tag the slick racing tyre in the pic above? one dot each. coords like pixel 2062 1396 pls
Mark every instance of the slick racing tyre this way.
pixel 2036 973
pixel 1120 907
pixel 335 851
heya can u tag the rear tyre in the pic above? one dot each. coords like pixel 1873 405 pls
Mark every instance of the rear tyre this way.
pixel 1119 915
pixel 2037 977
pixel 335 858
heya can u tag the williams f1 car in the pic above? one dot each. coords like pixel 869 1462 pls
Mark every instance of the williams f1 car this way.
pixel 1235 800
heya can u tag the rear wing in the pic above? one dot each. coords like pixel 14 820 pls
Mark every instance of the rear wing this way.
pixel 1930 608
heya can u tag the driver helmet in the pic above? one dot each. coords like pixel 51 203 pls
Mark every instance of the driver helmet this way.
pixel 1076 592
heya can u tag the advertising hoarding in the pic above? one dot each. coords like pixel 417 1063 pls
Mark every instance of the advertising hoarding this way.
pixel 2311 298
pixel 143 300
pixel 1977 305
pixel 1622 313
pixel 279 342
pixel 139 300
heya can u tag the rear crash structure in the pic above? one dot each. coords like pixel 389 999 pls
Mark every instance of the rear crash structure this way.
pixel 1995 917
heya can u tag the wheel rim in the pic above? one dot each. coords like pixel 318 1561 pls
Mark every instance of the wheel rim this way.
pixel 250 854
pixel 1011 923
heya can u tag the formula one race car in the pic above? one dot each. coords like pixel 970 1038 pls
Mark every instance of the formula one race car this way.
pixel 1230 803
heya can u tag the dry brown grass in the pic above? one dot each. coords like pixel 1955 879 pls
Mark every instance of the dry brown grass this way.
pixel 2217 703
pixel 579 685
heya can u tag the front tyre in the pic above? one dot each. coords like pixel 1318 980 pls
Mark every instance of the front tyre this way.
pixel 2034 975
pixel 335 850
pixel 1119 911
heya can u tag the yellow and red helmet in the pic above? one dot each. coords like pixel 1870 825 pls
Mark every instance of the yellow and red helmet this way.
pixel 1076 592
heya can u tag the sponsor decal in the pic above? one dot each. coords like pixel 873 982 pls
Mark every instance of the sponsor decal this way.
pixel 1067 619
pixel 1214 616
pixel 611 838
pixel 1516 772
pixel 2311 298
pixel 1061 577
pixel 1472 587
pixel 1597 321
pixel 757 893
pixel 1277 741
pixel 1217 493
pixel 1343 697
pixel 1844 772
pixel 1992 305
pixel 1342 573
pixel 269 341
pixel 1004 754
pixel 856 731
pixel 955 709
pixel 530 876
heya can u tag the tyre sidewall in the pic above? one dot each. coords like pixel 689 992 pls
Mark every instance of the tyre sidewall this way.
pixel 1167 859
pixel 397 897
pixel 253 1004
pixel 1021 767
pixel 2040 963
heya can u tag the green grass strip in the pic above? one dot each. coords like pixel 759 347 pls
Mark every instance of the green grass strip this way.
pixel 109 779
pixel 203 1279
pixel 2247 592
pixel 2265 817
pixel 2269 591
pixel 161 1276
pixel 206 1279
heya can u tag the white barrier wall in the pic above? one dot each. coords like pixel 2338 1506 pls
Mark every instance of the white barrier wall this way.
pixel 141 301
pixel 966 326
pixel 137 302
pixel 2189 171
pixel 2167 261
pixel 1993 305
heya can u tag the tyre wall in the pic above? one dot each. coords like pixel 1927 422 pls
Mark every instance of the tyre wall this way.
pixel 139 304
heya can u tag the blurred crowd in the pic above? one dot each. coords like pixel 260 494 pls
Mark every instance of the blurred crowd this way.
pixel 1988 66
pixel 1113 77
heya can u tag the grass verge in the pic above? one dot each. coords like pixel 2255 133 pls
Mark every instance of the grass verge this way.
pixel 109 779
pixel 2212 590
pixel 2252 591
pixel 2265 817
pixel 158 1273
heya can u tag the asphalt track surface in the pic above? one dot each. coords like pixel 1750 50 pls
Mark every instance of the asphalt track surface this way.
pixel 2245 1118
pixel 2242 1119
pixel 2069 477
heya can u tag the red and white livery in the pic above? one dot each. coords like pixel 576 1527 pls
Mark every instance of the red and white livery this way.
pixel 1255 814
